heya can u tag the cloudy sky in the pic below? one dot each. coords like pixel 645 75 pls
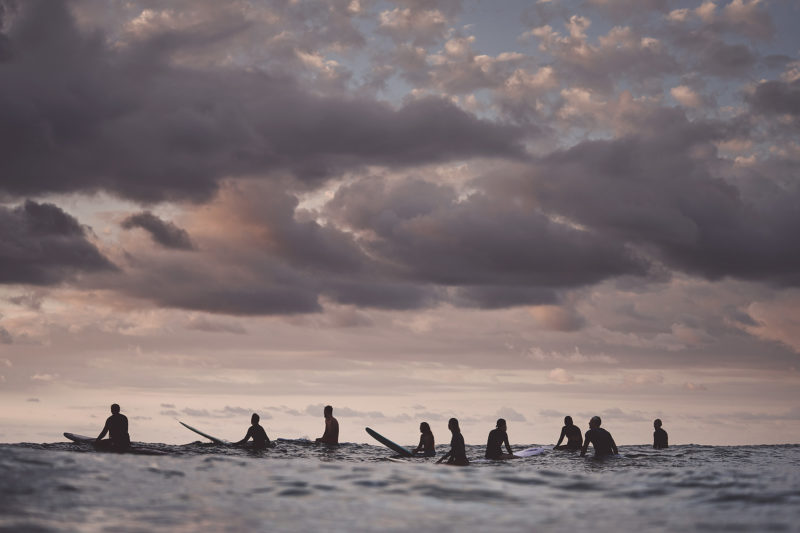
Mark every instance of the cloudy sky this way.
pixel 409 209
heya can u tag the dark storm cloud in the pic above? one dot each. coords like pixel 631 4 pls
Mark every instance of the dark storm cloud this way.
pixel 42 245
pixel 77 114
pixel 479 241
pixel 722 59
pixel 163 232
pixel 499 297
pixel 777 97
pixel 662 191
pixel 410 245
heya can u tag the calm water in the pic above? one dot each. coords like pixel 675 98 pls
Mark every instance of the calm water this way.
pixel 300 486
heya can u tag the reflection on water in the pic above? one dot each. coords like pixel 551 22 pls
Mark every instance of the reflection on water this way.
pixel 299 486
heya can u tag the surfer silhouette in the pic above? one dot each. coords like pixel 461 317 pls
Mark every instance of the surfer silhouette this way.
pixel 117 429
pixel 660 439
pixel 601 440
pixel 257 433
pixel 573 435
pixel 426 447
pixel 458 452
pixel 331 435
pixel 498 437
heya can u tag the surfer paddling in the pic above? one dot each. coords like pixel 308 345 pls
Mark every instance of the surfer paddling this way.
pixel 573 435
pixel 257 433
pixel 458 452
pixel 660 439
pixel 331 435
pixel 498 437
pixel 601 440
pixel 426 447
pixel 117 429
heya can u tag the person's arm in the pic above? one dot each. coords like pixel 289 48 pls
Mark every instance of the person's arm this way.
pixel 103 433
pixel 508 446
pixel 246 437
pixel 326 436
pixel 420 445
pixel 585 444
pixel 613 445
pixel 666 440
pixel 561 437
pixel 655 439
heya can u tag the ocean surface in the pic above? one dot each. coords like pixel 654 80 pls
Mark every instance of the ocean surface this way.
pixel 301 486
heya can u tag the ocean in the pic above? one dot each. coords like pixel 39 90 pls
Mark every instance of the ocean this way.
pixel 301 486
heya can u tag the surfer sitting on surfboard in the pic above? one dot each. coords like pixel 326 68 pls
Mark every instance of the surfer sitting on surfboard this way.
pixel 117 429
pixel 257 433
pixel 458 452
pixel 331 435
pixel 426 445
pixel 573 434
pixel 498 437
pixel 660 439
pixel 601 439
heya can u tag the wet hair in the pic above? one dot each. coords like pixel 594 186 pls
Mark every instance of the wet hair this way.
pixel 255 418
pixel 657 422
pixel 453 422
pixel 501 422
pixel 328 410
pixel 596 419
pixel 424 427
pixel 567 420
pixel 115 408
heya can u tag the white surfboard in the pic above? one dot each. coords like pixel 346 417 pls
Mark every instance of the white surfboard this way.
pixel 215 440
pixel 530 452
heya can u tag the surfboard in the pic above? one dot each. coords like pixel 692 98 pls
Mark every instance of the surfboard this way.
pixel 80 439
pixel 530 452
pixel 104 446
pixel 215 440
pixel 405 452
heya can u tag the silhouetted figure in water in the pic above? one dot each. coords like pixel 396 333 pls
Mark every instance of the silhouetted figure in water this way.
pixel 331 435
pixel 659 436
pixel 573 435
pixel 494 445
pixel 117 429
pixel 426 445
pixel 601 440
pixel 458 451
pixel 257 433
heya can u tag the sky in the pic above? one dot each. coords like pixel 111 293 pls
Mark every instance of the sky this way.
pixel 407 209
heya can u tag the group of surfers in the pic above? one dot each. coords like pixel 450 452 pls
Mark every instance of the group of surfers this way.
pixel 601 440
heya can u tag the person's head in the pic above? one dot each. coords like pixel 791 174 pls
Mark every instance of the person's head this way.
pixel 501 423
pixel 254 419
pixel 595 422
pixel 567 420
pixel 114 408
pixel 328 411
pixel 657 423
pixel 452 425
pixel 424 427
